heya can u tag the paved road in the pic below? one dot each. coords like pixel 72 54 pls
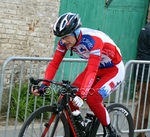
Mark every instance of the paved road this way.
pixel 10 132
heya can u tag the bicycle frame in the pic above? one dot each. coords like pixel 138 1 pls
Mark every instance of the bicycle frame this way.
pixel 56 115
pixel 70 124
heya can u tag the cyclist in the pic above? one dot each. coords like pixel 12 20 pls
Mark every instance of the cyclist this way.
pixel 103 73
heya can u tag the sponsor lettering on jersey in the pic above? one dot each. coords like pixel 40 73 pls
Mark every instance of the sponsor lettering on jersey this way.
pixel 88 41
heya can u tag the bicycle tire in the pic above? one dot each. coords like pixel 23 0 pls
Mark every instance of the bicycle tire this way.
pixel 34 125
pixel 122 121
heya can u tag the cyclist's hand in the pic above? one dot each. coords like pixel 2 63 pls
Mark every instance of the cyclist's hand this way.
pixel 35 90
pixel 77 101
pixel 39 91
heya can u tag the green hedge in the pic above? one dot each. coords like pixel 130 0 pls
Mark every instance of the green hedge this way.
pixel 15 101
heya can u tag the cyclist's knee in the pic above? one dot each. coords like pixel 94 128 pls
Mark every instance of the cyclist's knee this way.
pixel 94 97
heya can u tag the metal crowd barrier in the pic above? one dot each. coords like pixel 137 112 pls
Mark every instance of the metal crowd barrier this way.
pixel 128 93
pixel 17 70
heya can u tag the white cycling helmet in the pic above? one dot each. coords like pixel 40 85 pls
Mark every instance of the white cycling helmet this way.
pixel 66 24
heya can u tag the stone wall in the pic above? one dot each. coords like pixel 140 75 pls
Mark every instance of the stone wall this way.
pixel 26 28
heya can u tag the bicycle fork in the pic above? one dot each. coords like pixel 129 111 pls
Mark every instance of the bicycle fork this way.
pixel 47 125
pixel 55 115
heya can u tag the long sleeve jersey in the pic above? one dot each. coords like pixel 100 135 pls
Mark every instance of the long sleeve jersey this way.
pixel 93 45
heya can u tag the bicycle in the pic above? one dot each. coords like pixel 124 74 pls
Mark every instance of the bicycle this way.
pixel 57 120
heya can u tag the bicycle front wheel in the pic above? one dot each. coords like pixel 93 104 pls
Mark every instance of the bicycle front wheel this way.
pixel 35 125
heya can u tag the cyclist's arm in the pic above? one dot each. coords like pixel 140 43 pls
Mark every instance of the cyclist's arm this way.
pixel 92 68
pixel 54 64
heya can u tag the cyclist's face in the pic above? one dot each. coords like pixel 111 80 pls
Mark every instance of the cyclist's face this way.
pixel 69 41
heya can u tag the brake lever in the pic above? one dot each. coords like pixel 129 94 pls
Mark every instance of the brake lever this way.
pixel 34 82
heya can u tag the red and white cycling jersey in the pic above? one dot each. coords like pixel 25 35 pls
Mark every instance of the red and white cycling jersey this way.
pixel 94 45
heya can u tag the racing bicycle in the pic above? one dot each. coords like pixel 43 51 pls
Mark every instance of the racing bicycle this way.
pixel 57 120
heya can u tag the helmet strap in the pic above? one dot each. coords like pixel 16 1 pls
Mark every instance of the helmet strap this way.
pixel 75 38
